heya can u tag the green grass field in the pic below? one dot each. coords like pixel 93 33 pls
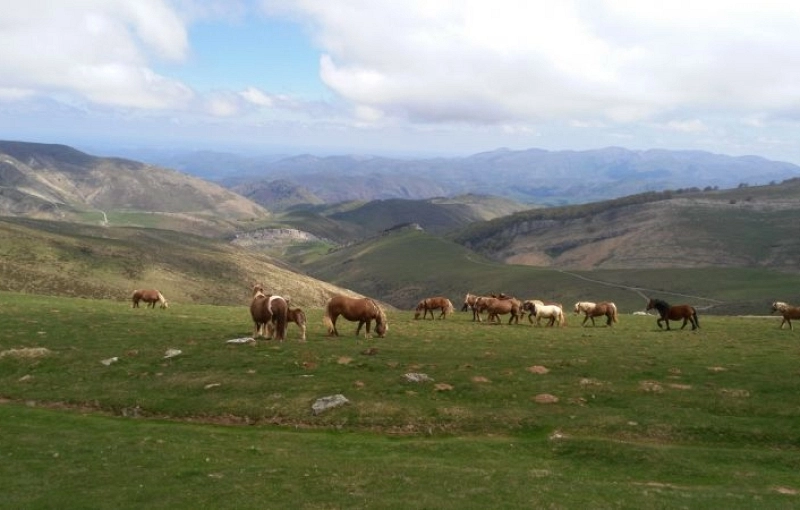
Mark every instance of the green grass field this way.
pixel 642 418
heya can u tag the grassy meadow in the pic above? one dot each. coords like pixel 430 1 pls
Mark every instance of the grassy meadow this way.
pixel 512 416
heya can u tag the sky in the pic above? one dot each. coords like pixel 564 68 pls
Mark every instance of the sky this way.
pixel 403 77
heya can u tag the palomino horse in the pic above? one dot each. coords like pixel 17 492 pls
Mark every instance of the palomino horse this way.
pixel 298 316
pixel 788 312
pixel 149 296
pixel 269 314
pixel 529 307
pixel 469 304
pixel 552 312
pixel 673 313
pixel 434 303
pixel 363 310
pixel 499 306
pixel 591 310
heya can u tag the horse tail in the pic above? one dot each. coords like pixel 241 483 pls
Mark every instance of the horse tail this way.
pixel 135 298
pixel 162 300
pixel 613 312
pixel 450 307
pixel 327 321
pixel 562 318
pixel 694 314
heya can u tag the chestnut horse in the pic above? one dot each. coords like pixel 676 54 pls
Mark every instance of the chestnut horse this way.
pixel 469 304
pixel 149 296
pixel 591 310
pixel 497 306
pixel 269 314
pixel 788 312
pixel 673 313
pixel 363 310
pixel 434 303
pixel 298 316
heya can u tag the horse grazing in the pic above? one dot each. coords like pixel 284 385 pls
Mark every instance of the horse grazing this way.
pixel 591 310
pixel 269 314
pixel 673 313
pixel 363 310
pixel 553 312
pixel 787 311
pixel 298 316
pixel 149 296
pixel 497 306
pixel 434 303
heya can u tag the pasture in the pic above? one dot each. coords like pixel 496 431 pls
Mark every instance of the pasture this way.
pixel 510 416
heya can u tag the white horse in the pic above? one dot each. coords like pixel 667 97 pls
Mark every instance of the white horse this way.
pixel 552 312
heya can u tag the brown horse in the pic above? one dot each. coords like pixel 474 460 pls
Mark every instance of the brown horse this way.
pixel 434 303
pixel 269 314
pixel 673 313
pixel 297 316
pixel 363 310
pixel 591 310
pixel 149 296
pixel 788 312
pixel 469 304
pixel 497 306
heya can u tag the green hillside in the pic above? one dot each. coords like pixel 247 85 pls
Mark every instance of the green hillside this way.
pixel 407 265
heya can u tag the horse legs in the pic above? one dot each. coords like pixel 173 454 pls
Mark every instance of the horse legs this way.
pixel 368 323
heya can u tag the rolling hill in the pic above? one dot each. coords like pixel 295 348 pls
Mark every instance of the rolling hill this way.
pixel 59 182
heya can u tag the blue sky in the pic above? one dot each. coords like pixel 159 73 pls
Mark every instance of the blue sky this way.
pixel 415 77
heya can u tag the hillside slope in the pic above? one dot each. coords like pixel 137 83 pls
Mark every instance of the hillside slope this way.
pixel 56 181
pixel 59 258
pixel 742 227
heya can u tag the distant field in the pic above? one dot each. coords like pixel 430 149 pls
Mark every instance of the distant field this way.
pixel 512 416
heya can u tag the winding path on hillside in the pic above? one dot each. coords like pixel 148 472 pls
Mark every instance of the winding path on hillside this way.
pixel 641 290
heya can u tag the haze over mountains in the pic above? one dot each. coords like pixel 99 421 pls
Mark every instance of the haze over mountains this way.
pixel 532 176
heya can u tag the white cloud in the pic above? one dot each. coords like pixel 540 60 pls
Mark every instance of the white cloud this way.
pixel 93 50
pixel 513 60
pixel 687 126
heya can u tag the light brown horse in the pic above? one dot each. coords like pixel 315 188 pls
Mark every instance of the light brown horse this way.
pixel 673 313
pixel 298 316
pixel 469 304
pixel 591 310
pixel 787 311
pixel 363 310
pixel 497 306
pixel 149 296
pixel 428 305
pixel 269 314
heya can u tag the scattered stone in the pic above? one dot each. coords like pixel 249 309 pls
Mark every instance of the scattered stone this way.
pixel 538 369
pixel 717 369
pixel 545 398
pixel 344 360
pixel 171 353
pixel 681 386
pixel 372 351
pixel 651 386
pixel 443 387
pixel 25 378
pixel 26 352
pixel 242 340
pixel 417 377
pixel 586 381
pixel 109 361
pixel 735 393
pixel 786 490
pixel 556 435
pixel 480 379
pixel 329 402
pixel 211 385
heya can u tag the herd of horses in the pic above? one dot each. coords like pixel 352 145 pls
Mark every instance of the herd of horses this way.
pixel 271 313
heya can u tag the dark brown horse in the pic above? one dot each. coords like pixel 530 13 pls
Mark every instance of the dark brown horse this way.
pixel 149 296
pixel 428 305
pixel 591 310
pixel 269 314
pixel 788 312
pixel 297 316
pixel 363 310
pixel 673 313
